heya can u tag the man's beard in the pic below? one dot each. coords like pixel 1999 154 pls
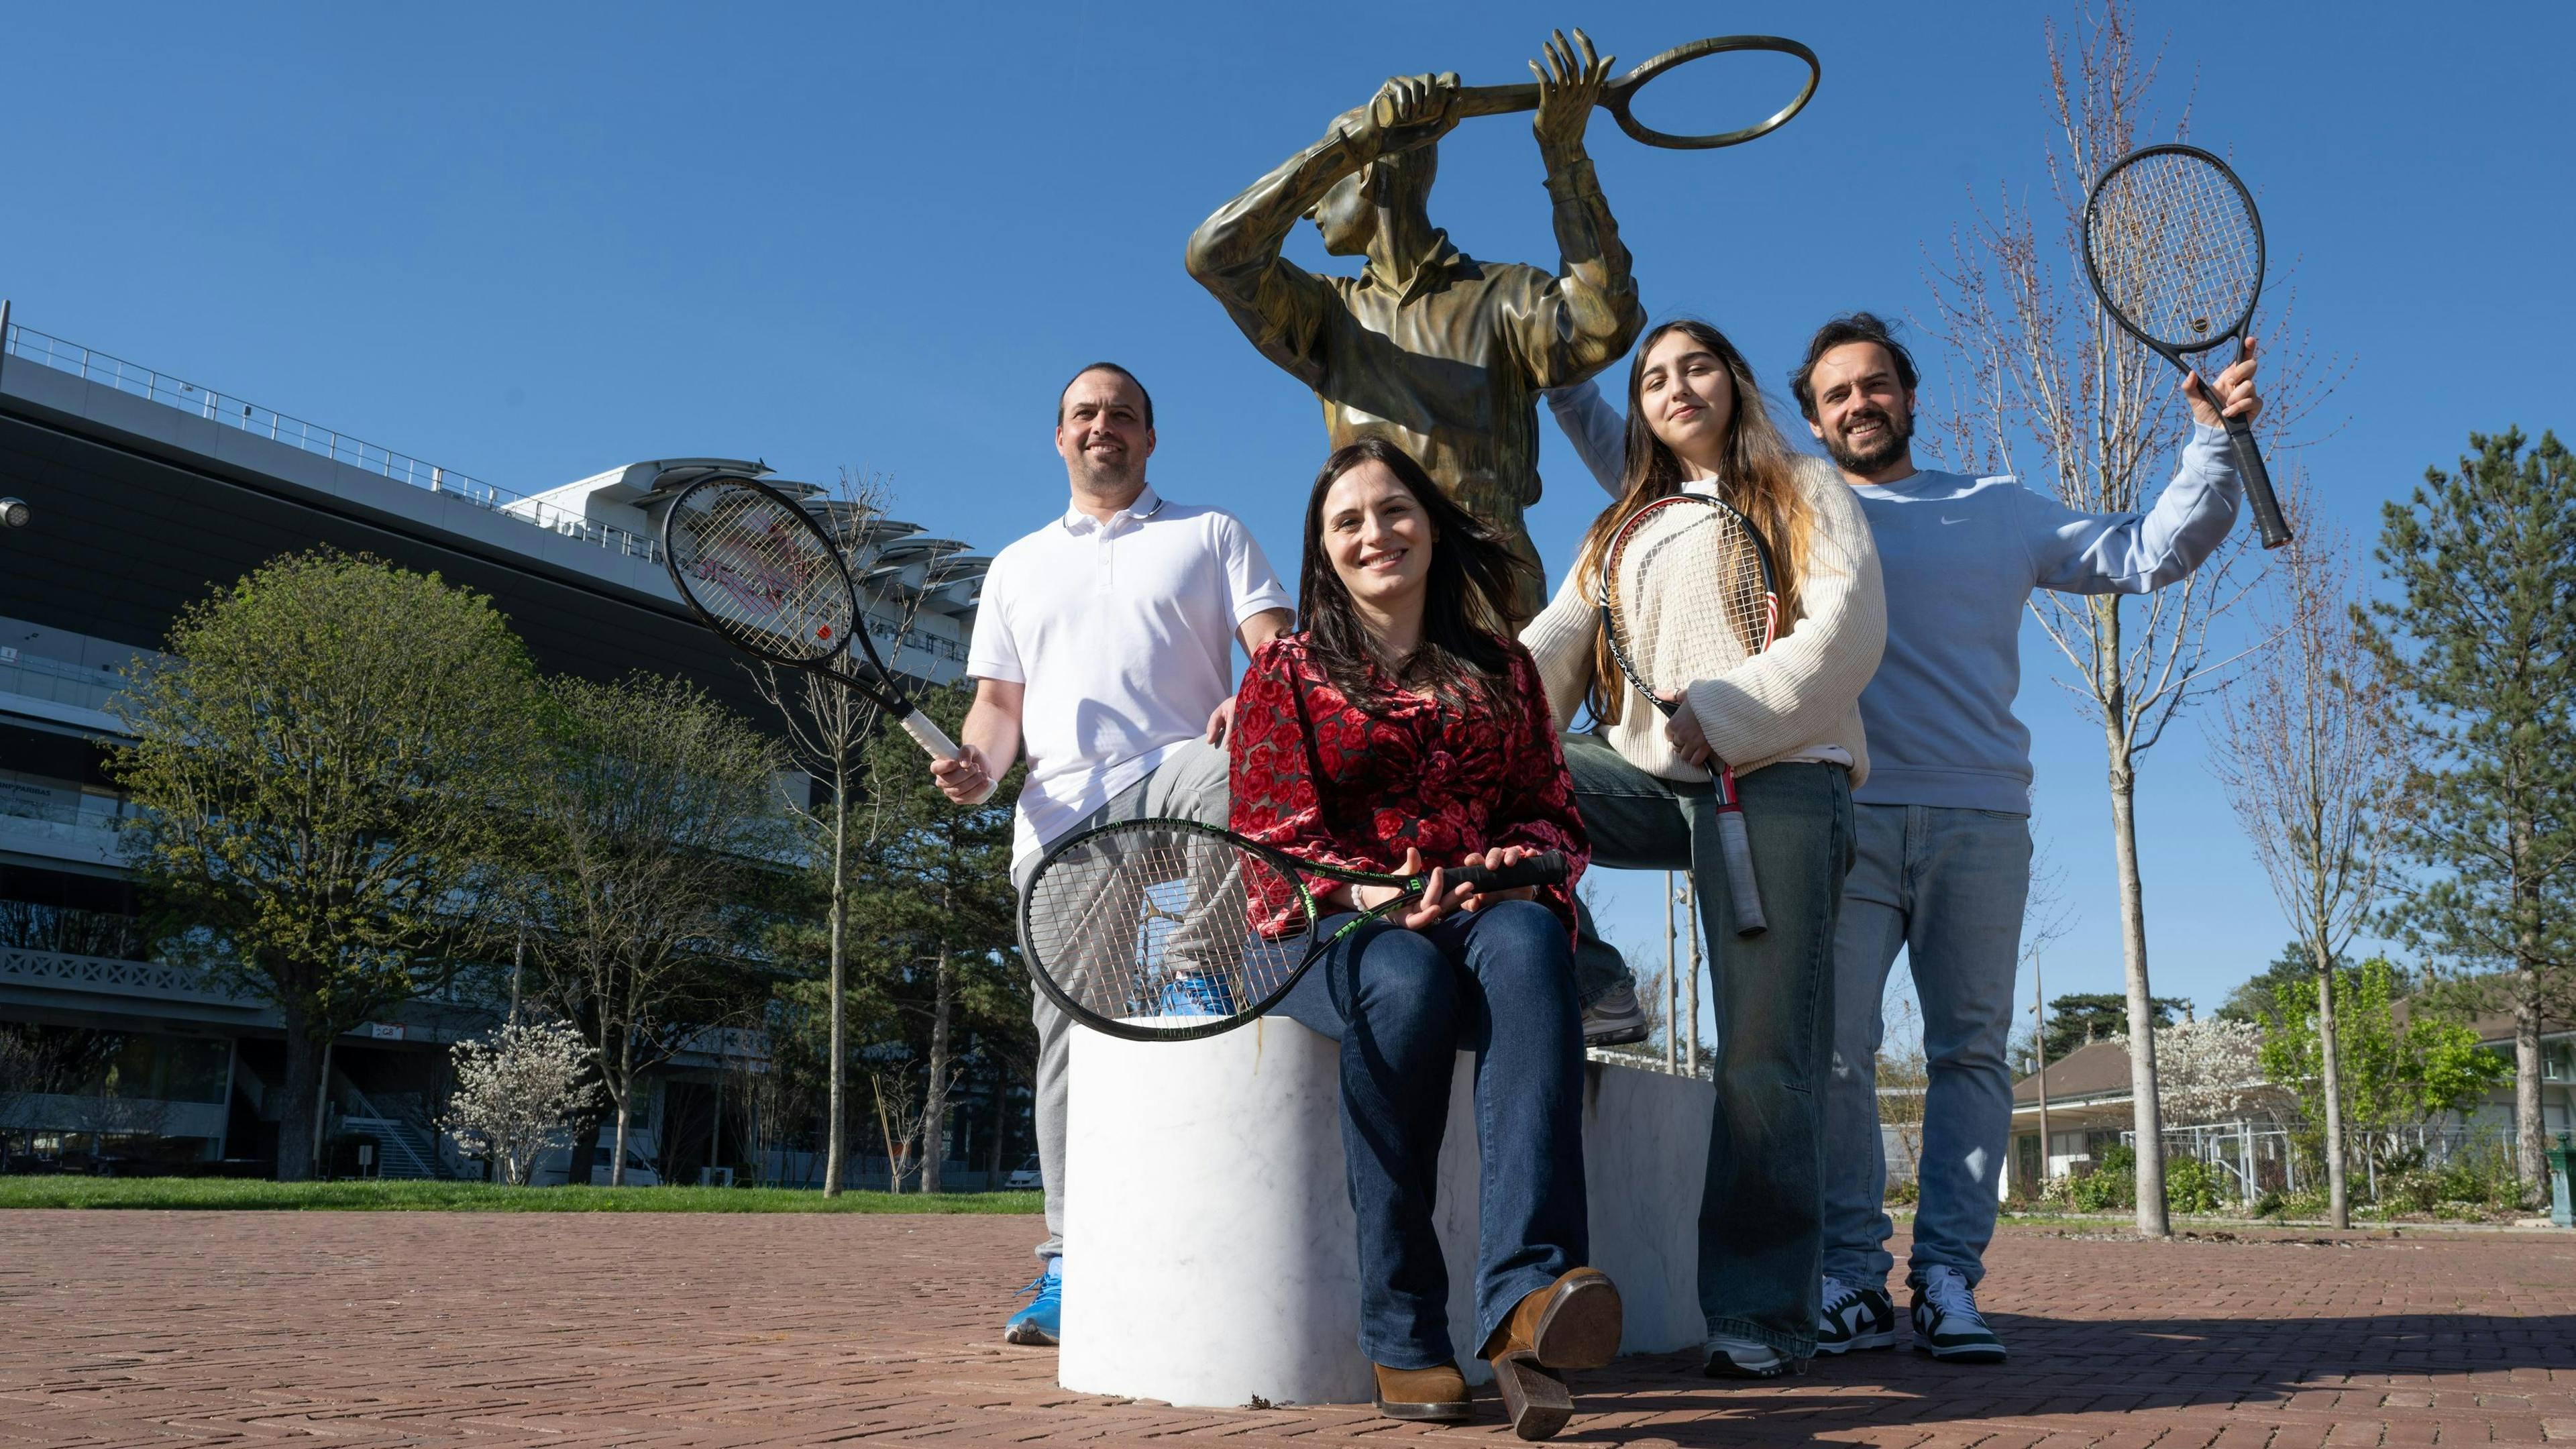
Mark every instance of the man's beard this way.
pixel 1099 476
pixel 1893 440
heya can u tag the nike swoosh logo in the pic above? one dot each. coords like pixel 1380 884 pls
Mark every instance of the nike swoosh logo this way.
pixel 1954 520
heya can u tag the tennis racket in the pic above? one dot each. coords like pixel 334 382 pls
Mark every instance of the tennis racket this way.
pixel 1620 95
pixel 1166 930
pixel 2175 250
pixel 1686 595
pixel 762 573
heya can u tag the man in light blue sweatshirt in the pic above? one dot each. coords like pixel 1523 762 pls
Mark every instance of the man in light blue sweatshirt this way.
pixel 1944 820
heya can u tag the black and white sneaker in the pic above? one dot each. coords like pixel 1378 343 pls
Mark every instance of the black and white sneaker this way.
pixel 1854 1317
pixel 1615 1020
pixel 1947 1324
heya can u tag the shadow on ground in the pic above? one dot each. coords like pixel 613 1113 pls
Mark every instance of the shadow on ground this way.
pixel 2090 1366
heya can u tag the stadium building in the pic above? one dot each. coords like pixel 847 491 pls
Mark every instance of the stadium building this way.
pixel 144 494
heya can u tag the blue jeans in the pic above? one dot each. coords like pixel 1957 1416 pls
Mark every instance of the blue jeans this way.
pixel 1948 886
pixel 1500 982
pixel 1761 1214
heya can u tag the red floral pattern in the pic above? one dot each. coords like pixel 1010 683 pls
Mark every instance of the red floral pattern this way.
pixel 1444 779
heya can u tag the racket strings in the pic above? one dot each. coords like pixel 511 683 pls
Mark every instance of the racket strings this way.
pixel 2177 248
pixel 1688 597
pixel 1154 923
pixel 762 570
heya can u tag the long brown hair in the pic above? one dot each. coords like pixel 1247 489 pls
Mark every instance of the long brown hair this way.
pixel 1758 475
pixel 1462 655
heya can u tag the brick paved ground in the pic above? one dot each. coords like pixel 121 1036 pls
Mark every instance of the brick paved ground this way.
pixel 122 1328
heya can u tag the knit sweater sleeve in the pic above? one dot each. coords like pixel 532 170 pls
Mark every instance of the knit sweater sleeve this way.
pixel 1799 688
pixel 1560 643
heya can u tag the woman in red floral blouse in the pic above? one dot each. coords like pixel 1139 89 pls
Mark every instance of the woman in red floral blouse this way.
pixel 1401 727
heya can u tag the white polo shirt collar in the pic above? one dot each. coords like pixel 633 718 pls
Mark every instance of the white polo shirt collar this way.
pixel 1147 503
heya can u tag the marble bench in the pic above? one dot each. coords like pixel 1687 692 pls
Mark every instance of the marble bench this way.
pixel 1211 1251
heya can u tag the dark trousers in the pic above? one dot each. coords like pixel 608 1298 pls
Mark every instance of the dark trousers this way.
pixel 1761 1213
pixel 1499 982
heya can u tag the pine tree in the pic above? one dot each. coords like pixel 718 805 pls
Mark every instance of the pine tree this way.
pixel 2478 644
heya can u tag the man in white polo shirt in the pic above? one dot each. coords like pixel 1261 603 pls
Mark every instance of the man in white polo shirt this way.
pixel 1104 643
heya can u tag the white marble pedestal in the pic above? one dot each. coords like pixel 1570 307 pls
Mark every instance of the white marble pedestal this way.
pixel 1210 1250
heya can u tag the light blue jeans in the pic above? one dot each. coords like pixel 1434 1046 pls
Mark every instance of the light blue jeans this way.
pixel 1948 887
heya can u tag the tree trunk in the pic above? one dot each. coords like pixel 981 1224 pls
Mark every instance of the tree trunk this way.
pixel 835 1115
pixel 2147 1114
pixel 885 1131
pixel 993 1168
pixel 322 1110
pixel 2530 1141
pixel 625 1095
pixel 301 1093
pixel 2330 1077
pixel 585 1150
pixel 934 1106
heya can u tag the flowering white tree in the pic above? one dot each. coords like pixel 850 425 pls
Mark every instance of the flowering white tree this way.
pixel 2208 1071
pixel 516 1091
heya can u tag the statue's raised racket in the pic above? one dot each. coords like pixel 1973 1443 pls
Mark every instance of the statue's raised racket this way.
pixel 1620 96
pixel 1165 930
pixel 761 572
pixel 2175 250
pixel 1686 595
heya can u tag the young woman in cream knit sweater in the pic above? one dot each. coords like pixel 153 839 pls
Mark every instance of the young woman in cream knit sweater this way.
pixel 1789 723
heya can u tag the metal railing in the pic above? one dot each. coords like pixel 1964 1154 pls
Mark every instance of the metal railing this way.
pixel 147 383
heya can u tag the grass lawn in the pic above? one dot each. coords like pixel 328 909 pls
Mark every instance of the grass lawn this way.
pixel 200 1193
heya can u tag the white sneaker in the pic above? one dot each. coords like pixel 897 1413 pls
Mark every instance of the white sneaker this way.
pixel 1854 1317
pixel 1746 1358
pixel 1947 1324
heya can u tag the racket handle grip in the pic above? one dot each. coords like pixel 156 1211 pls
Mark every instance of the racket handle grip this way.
pixel 1743 891
pixel 2268 522
pixel 1545 868
pixel 934 739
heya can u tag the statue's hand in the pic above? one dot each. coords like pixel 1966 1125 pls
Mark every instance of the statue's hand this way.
pixel 1570 84
pixel 1408 111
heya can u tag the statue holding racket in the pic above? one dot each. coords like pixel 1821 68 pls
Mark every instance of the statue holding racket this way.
pixel 1440 352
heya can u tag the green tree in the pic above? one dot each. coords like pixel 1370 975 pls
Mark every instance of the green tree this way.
pixel 2400 1068
pixel 321 772
pixel 828 725
pixel 2479 643
pixel 660 831
pixel 2254 1000
pixel 2081 1018
pixel 936 918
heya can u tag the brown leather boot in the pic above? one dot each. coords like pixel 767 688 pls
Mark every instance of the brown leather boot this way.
pixel 1437 1394
pixel 1573 1322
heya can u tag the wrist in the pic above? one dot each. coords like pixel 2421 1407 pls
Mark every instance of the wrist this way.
pixel 1570 178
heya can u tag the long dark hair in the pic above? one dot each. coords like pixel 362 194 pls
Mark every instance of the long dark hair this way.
pixel 1463 655
pixel 1759 477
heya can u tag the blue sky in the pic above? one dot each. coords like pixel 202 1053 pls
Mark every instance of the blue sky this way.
pixel 532 242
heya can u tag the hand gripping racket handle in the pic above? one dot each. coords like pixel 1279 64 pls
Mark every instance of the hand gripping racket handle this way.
pixel 932 737
pixel 2257 479
pixel 1743 892
pixel 1545 868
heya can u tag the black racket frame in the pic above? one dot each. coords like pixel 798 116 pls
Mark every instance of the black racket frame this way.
pixel 1545 868
pixel 869 676
pixel 2269 522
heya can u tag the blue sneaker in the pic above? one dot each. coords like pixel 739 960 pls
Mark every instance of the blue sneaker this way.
pixel 1197 996
pixel 1036 1324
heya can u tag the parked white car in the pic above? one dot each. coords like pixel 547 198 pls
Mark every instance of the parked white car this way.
pixel 639 1173
pixel 1024 1178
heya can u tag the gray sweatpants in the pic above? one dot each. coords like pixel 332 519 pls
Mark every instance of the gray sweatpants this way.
pixel 1190 784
